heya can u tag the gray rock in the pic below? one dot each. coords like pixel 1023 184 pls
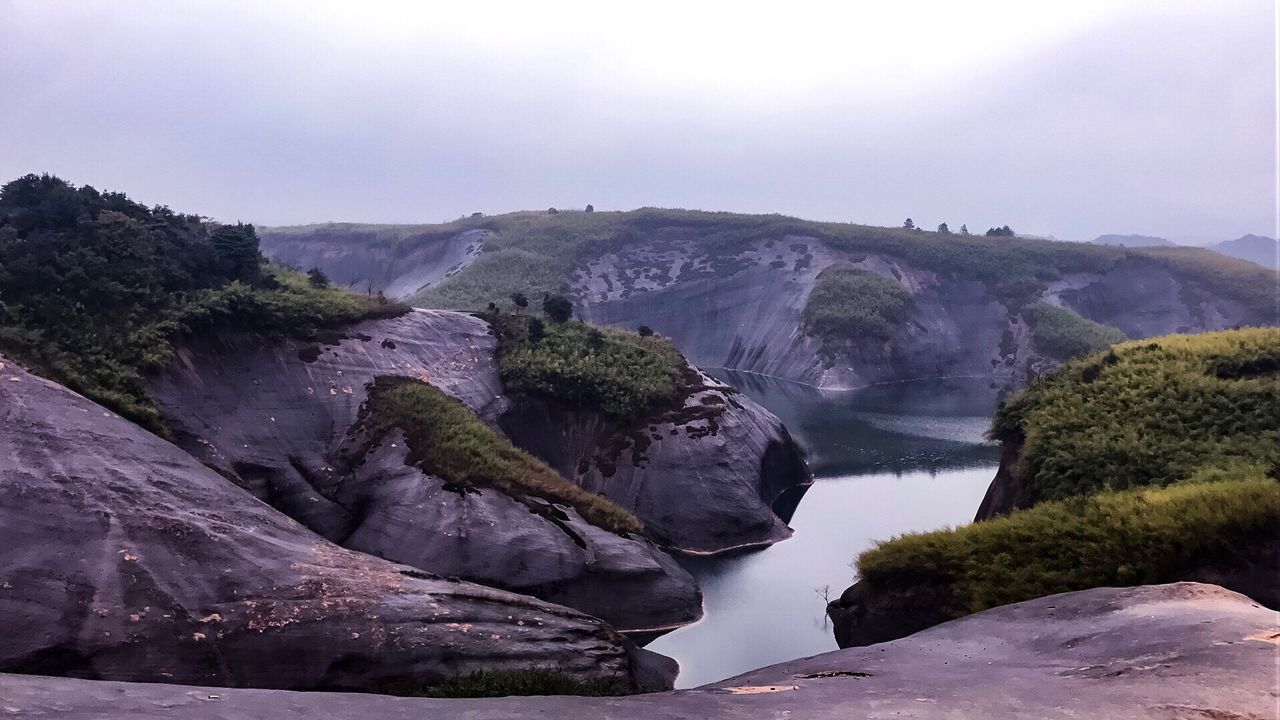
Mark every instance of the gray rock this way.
pixel 124 558
pixel 1165 652
pixel 275 417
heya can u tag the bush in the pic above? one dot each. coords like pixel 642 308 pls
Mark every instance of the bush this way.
pixel 619 374
pixel 94 288
pixel 1150 412
pixel 1060 333
pixel 447 440
pixel 1112 539
pixel 557 308
pixel 851 303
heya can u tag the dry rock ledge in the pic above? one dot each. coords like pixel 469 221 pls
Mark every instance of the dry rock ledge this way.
pixel 124 558
pixel 274 418
pixel 1164 652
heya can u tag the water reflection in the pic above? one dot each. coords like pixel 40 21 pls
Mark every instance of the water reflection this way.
pixel 888 459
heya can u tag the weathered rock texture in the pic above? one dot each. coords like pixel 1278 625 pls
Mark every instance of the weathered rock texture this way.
pixel 719 450
pixel 124 558
pixel 1165 652
pixel 741 308
pixel 275 417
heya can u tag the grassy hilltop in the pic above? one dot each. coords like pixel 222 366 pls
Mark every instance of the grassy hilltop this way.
pixel 1150 461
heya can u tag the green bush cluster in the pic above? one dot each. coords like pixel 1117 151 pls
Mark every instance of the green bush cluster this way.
pixel 1134 537
pixel 847 302
pixel 95 287
pixel 1150 412
pixel 447 440
pixel 621 374
pixel 1060 333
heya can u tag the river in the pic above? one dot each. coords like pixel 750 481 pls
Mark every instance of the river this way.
pixel 886 460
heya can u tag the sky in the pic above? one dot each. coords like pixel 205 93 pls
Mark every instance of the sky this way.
pixel 1069 119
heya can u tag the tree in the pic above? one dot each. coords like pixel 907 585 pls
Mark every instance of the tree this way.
pixel 236 247
pixel 943 229
pixel 595 338
pixel 909 224
pixel 644 331
pixel 964 229
pixel 552 211
pixel 1004 231
pixel 537 330
pixel 317 277
pixel 493 307
pixel 520 300
pixel 591 208
pixel 557 308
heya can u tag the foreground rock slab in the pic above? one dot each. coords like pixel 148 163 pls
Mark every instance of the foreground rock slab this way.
pixel 124 558
pixel 1162 652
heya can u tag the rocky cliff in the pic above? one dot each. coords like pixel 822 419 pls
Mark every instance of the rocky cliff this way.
pixel 1156 653
pixel 731 290
pixel 124 558
pixel 278 418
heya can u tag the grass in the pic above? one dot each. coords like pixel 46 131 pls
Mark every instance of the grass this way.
pixel 618 373
pixel 447 440
pixel 1062 334
pixel 537 253
pixel 847 302
pixel 1135 537
pixel 1150 412
pixel 507 683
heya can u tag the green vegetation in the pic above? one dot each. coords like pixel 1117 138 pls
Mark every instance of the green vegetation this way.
pixel 1111 539
pixel 1149 413
pixel 447 440
pixel 847 302
pixel 94 288
pixel 1060 333
pixel 506 683
pixel 621 374
pixel 537 253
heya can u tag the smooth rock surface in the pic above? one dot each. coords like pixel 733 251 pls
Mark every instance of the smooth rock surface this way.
pixel 122 557
pixel 1167 652
pixel 275 416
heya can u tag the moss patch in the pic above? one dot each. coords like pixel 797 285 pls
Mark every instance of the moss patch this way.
pixel 447 440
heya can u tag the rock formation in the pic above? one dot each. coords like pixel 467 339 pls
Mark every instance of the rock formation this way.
pixel 124 558
pixel 1149 653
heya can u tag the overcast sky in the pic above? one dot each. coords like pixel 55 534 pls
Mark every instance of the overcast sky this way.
pixel 1070 118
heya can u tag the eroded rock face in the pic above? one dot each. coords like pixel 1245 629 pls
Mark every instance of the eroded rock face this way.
pixel 703 477
pixel 275 418
pixel 1162 652
pixel 124 558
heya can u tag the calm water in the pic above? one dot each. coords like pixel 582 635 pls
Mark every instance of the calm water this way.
pixel 887 460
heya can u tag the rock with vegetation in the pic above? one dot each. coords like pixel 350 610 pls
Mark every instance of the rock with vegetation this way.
pixel 732 290
pixel 1151 462
pixel 127 559
pixel 1148 653
pixel 624 415
pixel 348 437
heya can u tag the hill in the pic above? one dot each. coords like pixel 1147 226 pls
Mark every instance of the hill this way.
pixel 746 291
pixel 1254 248
pixel 1151 462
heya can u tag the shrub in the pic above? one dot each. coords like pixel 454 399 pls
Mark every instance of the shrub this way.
pixel 617 373
pixel 852 303
pixel 1150 412
pixel 317 277
pixel 557 308
pixel 1060 333
pixel 447 440
pixel 1134 537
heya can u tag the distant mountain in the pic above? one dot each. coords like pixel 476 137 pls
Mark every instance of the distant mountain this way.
pixel 1132 241
pixel 1254 248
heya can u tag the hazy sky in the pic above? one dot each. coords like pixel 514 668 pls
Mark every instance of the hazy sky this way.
pixel 1070 118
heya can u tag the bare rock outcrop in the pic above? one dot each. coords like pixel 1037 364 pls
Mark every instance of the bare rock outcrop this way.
pixel 1159 652
pixel 124 558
